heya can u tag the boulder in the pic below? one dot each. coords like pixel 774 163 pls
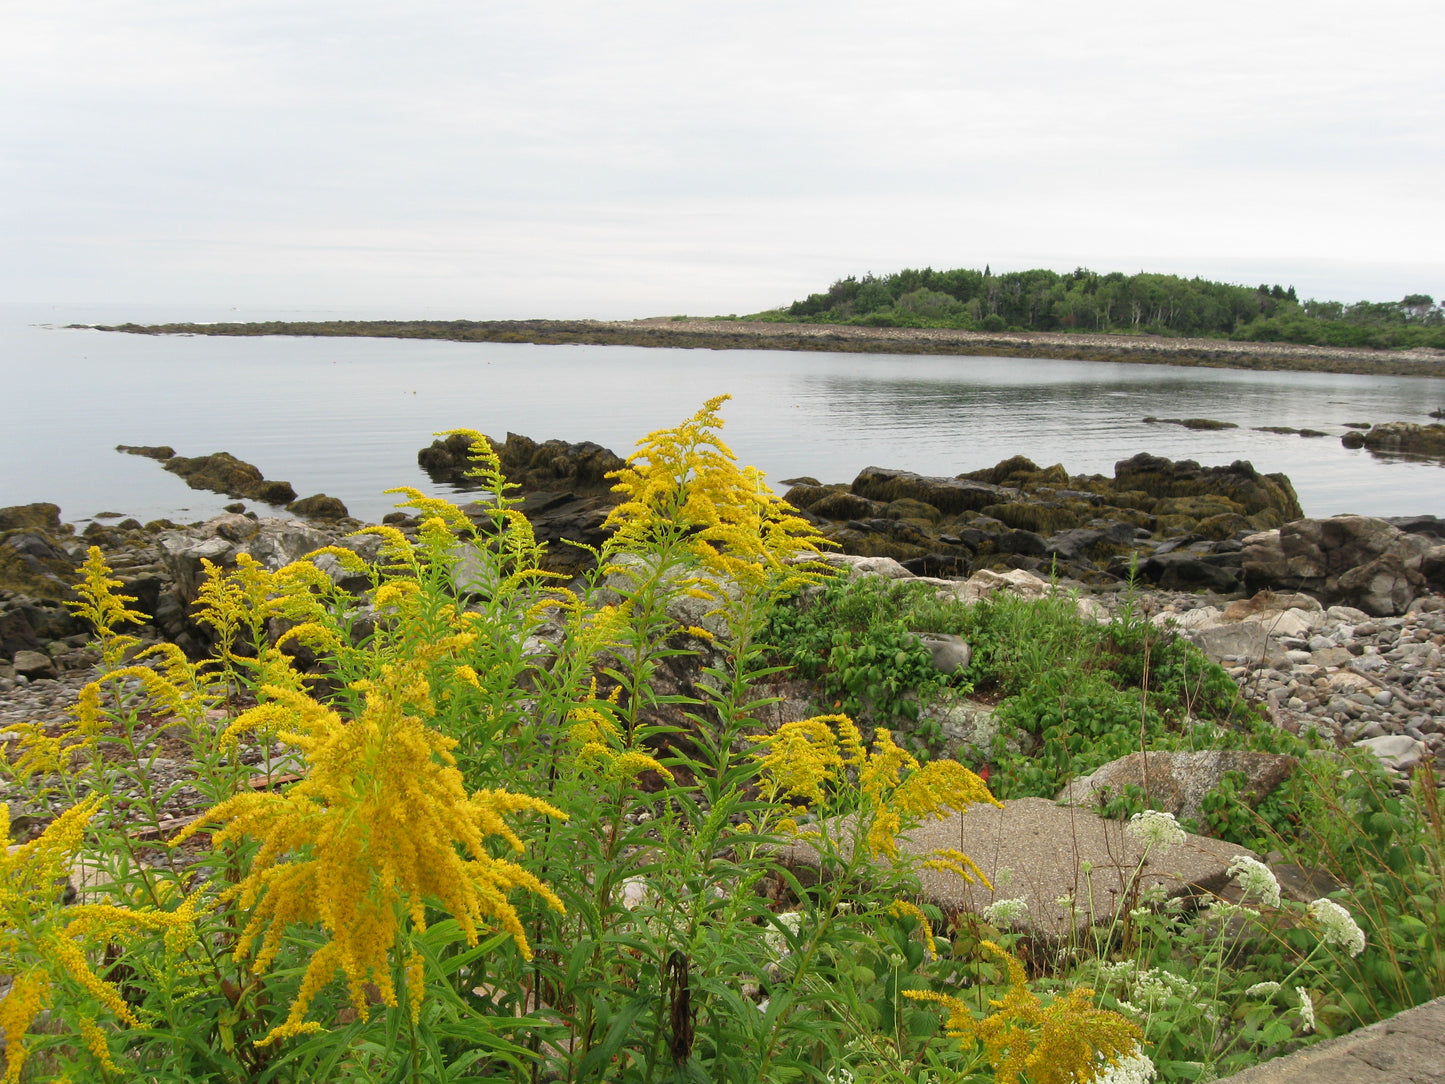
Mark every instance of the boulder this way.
pixel 1356 560
pixel 1177 782
pixel 1049 853
pixel 34 664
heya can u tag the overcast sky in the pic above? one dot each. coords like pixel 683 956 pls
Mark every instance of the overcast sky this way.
pixel 494 158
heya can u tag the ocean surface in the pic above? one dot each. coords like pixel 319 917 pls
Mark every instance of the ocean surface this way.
pixel 346 416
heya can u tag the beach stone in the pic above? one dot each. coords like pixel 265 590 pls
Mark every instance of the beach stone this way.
pixel 318 506
pixel 33 665
pixel 1399 752
pixel 951 654
pixel 1047 850
pixel 1178 782
pixel 1245 640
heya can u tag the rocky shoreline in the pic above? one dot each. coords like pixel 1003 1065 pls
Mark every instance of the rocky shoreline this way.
pixel 1335 625
pixel 734 334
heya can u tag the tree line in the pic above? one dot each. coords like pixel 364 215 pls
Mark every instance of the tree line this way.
pixel 1088 301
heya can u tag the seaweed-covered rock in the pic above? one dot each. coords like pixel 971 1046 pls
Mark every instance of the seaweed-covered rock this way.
pixel 949 495
pixel 551 465
pixel 222 472
pixel 41 515
pixel 318 506
pixel 1270 496
pixel 1406 437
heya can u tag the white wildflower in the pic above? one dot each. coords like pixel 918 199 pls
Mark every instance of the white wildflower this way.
pixel 840 1074
pixel 1156 829
pixel 776 939
pixel 1255 879
pixel 1154 894
pixel 1224 910
pixel 1262 989
pixel 1306 1009
pixel 1130 1008
pixel 1066 901
pixel 1133 1068
pixel 1337 927
pixel 1156 984
pixel 1002 913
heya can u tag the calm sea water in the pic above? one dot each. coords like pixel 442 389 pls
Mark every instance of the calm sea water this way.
pixel 347 416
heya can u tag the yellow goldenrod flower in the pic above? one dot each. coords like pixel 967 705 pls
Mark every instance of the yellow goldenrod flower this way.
pixel 1068 1041
pixel 104 608
pixel 380 826
pixel 45 944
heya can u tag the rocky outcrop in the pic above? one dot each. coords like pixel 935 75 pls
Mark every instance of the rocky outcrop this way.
pixel 553 465
pixel 1176 525
pixel 1400 438
pixel 220 472
pixel 1351 560
pixel 318 506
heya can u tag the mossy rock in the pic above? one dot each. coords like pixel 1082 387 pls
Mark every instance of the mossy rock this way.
pixel 1407 437
pixel 1269 519
pixel 1197 507
pixel 1129 498
pixel 1175 525
pixel 1055 475
pixel 1004 469
pixel 908 508
pixel 805 495
pixel 1225 525
pixel 842 505
pixel 1133 516
pixel 30 566
pixel 1239 482
pixel 1041 517
pixel 41 515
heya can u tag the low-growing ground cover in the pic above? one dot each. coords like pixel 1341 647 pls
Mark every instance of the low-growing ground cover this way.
pixel 507 849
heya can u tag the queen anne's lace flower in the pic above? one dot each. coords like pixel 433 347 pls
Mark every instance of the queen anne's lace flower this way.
pixel 1337 927
pixel 1002 913
pixel 1262 989
pixel 1306 1009
pixel 1255 879
pixel 778 941
pixel 1156 829
pixel 1134 1068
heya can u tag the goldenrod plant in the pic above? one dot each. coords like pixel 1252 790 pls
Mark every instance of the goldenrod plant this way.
pixel 479 823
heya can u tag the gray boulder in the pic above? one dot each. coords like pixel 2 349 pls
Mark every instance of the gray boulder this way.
pixel 1044 853
pixel 1177 782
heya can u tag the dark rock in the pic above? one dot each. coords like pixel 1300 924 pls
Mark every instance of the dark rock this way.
pixel 32 564
pixel 1353 440
pixel 318 506
pixel 1184 572
pixel 551 465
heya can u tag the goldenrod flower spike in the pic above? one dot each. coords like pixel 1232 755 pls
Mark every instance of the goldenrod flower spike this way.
pixel 380 827
pixel 101 605
pixel 44 944
pixel 1068 1041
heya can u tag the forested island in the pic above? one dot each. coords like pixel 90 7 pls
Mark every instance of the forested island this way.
pixel 1084 300
pixel 1157 319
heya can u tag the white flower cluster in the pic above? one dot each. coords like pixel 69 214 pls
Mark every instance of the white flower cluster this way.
pixel 776 940
pixel 1337 927
pixel 1156 984
pixel 1001 913
pixel 1262 989
pixel 1306 1009
pixel 1157 830
pixel 1255 879
pixel 1134 1068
